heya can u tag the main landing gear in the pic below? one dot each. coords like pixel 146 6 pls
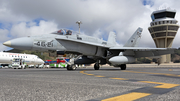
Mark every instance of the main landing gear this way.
pixel 96 66
pixel 123 67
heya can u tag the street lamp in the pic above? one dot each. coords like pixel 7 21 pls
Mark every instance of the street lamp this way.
pixel 79 22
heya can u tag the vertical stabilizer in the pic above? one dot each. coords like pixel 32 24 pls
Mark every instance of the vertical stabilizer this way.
pixel 134 39
pixel 111 39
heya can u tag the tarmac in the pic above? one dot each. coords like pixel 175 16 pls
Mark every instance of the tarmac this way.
pixel 155 65
pixel 140 82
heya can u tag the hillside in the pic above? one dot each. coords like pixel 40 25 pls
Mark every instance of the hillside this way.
pixel 43 55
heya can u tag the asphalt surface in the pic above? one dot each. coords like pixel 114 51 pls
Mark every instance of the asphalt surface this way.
pixel 86 84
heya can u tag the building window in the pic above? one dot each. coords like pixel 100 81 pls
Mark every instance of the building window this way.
pixel 164 15
pixel 161 28
pixel 171 34
pixel 160 34
pixel 152 35
pixel 175 28
pixel 150 30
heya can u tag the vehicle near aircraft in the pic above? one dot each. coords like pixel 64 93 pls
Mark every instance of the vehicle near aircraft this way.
pixel 18 63
pixel 91 49
pixel 29 59
pixel 5 65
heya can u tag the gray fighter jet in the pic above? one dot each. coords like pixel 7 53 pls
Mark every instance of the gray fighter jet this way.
pixel 87 49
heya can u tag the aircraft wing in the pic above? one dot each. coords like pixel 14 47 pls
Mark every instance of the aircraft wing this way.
pixel 14 51
pixel 142 51
pixel 83 42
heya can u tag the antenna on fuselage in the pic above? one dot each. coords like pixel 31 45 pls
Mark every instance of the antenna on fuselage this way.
pixel 79 22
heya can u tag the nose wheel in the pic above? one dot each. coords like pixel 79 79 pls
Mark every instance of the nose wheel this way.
pixel 96 66
pixel 71 67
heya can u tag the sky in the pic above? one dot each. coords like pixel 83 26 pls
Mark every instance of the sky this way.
pixel 19 18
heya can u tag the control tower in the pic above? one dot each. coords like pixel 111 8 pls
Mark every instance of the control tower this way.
pixel 163 30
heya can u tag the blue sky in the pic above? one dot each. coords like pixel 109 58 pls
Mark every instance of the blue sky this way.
pixel 20 18
pixel 148 2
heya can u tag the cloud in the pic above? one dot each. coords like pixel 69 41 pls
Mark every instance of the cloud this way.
pixel 4 35
pixel 99 17
pixel 30 28
pixel 26 29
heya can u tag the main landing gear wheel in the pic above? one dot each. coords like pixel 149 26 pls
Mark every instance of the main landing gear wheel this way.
pixel 123 67
pixel 71 67
pixel 96 66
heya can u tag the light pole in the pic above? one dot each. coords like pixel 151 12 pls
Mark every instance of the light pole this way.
pixel 79 22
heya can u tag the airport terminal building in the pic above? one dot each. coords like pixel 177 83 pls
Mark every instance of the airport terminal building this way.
pixel 163 29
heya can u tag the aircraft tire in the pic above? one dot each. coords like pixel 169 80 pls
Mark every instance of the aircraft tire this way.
pixel 96 66
pixel 123 67
pixel 71 67
pixel 68 67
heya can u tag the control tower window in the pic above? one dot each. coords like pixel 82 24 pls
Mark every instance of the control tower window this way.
pixel 150 30
pixel 160 34
pixel 152 35
pixel 152 17
pixel 171 34
pixel 164 14
pixel 175 28
pixel 161 28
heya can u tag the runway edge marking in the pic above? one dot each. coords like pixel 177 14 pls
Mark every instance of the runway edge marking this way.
pixel 153 73
pixel 133 95
pixel 128 97
pixel 162 85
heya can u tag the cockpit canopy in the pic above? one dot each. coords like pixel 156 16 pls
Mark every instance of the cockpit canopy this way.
pixel 64 32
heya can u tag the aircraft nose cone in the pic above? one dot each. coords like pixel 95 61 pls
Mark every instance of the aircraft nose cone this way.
pixel 7 43
pixel 24 43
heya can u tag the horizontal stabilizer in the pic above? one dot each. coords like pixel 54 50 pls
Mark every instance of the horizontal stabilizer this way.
pixel 142 51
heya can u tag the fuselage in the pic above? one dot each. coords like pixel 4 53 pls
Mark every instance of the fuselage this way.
pixel 78 43
pixel 6 58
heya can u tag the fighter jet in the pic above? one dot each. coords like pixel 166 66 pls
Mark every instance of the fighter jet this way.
pixel 87 49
